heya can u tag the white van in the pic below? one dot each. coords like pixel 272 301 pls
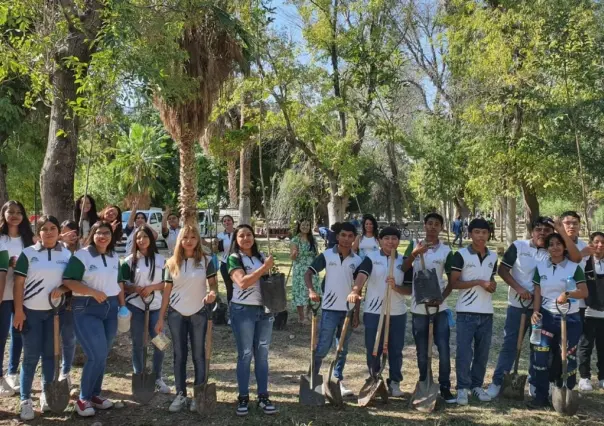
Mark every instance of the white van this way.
pixel 154 217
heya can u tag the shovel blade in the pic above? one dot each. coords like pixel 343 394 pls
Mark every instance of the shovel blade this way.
pixel 57 395
pixel 143 387
pixel 565 401
pixel 332 388
pixel 513 386
pixel 369 390
pixel 425 396
pixel 205 398
pixel 308 395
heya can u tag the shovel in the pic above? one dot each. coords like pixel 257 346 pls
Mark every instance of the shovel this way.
pixel 332 388
pixel 205 393
pixel 426 392
pixel 564 400
pixel 57 391
pixel 143 384
pixel 513 383
pixel 310 388
pixel 375 383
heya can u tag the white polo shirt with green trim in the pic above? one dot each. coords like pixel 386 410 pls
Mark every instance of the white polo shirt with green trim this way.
pixel 251 295
pixel 9 247
pixel 95 270
pixel 551 278
pixel 43 271
pixel 190 287
pixel 142 278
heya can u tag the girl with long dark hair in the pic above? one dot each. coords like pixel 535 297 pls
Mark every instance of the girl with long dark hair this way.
pixel 367 242
pixel 113 215
pixel 85 209
pixel 15 235
pixel 303 250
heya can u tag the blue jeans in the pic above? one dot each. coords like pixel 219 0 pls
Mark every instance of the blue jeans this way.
pixel 68 339
pixel 550 341
pixel 441 334
pixel 471 363
pixel 507 355
pixel 396 342
pixel 253 329
pixel 38 341
pixel 184 329
pixel 16 345
pixel 331 325
pixel 95 328
pixel 137 328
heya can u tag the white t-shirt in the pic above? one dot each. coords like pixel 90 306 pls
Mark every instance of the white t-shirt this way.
pixel 142 279
pixel 226 239
pixel 598 270
pixel 474 299
pixel 368 245
pixel 43 271
pixel 98 271
pixel 552 280
pixel 376 267
pixel 9 247
pixel 251 295
pixel 190 287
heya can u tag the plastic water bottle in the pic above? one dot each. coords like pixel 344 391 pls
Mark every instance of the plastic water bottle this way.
pixel 571 285
pixel 450 318
pixel 536 333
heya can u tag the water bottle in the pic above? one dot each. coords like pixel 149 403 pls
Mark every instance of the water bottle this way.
pixel 450 318
pixel 571 285
pixel 536 333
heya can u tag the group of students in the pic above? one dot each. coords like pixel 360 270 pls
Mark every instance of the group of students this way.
pixel 55 262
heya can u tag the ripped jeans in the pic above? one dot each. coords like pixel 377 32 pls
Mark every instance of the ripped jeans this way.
pixel 252 329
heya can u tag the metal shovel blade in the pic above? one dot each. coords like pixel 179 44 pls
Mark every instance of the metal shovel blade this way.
pixel 565 401
pixel 205 398
pixel 513 386
pixel 332 388
pixel 143 387
pixel 425 395
pixel 370 390
pixel 308 395
pixel 57 395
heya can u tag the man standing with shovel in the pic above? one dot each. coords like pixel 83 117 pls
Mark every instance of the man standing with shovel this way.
pixel 340 265
pixel 375 270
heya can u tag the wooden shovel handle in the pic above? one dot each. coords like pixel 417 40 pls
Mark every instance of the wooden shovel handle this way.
pixel 389 301
pixel 209 340
pixel 56 332
pixel 345 328
pixel 421 259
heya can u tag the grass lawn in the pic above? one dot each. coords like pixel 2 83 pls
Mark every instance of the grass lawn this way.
pixel 289 359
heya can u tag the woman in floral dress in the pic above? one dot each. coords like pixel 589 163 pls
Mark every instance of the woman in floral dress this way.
pixel 303 250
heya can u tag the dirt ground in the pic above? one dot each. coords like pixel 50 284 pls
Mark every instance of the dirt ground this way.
pixel 289 358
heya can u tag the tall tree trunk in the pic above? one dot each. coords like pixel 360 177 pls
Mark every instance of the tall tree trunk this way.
pixel 336 208
pixel 3 188
pixel 245 173
pixel 188 180
pixel 510 220
pixel 461 208
pixel 396 187
pixel 531 206
pixel 232 180
pixel 501 203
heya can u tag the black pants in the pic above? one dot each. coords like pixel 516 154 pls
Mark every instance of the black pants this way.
pixel 593 333
pixel 228 282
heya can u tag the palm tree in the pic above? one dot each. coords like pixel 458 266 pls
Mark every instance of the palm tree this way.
pixel 215 45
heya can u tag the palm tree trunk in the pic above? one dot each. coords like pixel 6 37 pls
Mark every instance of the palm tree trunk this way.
pixel 232 180
pixel 245 179
pixel 188 180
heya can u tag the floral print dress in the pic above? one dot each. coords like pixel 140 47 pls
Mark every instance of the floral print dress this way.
pixel 300 266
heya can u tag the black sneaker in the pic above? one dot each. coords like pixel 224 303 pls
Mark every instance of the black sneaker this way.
pixel 446 394
pixel 535 404
pixel 242 409
pixel 266 405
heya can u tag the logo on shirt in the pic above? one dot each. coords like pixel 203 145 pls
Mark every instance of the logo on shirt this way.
pixel 33 259
pixel 437 261
pixel 378 263
pixel 399 267
pixel 526 254
pixel 351 266
pixel 543 277
pixel 92 268
pixel 333 264
pixel 471 265
pixel 490 264
pixel 61 262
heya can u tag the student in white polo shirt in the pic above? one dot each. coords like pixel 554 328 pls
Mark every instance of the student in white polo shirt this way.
pixel 38 273
pixel 341 266
pixel 375 269
pixel 473 274
pixel 142 272
pixel 188 274
pixel 252 325
pixel 94 276
pixel 15 235
pixel 437 256
pixel 170 228
pixel 550 279
pixel 225 238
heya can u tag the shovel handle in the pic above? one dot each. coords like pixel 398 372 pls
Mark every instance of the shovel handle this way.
pixel 56 333
pixel 423 262
pixel 389 301
pixel 345 326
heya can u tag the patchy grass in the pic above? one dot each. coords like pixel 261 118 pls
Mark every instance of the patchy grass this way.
pixel 289 359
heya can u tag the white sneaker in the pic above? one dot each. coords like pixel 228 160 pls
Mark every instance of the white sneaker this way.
pixel 13 381
pixel 395 389
pixel 493 390
pixel 43 405
pixel 532 391
pixel 161 387
pixel 65 377
pixel 5 389
pixel 27 410
pixel 585 385
pixel 345 392
pixel 462 396
pixel 481 394
pixel 193 405
pixel 179 402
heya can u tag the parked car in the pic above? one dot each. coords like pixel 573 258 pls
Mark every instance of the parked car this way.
pixel 154 218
